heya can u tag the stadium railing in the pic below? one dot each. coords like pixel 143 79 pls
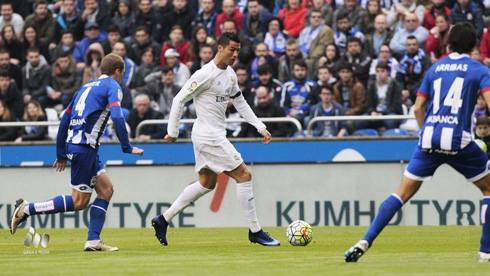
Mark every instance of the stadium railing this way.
pixel 240 120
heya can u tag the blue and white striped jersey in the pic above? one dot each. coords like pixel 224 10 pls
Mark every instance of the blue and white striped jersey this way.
pixel 452 85
pixel 90 110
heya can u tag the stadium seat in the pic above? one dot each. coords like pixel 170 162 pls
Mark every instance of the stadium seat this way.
pixel 365 132
pixel 395 132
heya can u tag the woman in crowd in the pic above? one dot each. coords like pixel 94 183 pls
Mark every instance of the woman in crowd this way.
pixel 7 133
pixel 33 112
pixel 93 58
pixel 331 60
pixel 200 37
pixel 12 44
pixel 123 18
pixel 293 16
pixel 30 40
pixel 274 38
pixel 437 44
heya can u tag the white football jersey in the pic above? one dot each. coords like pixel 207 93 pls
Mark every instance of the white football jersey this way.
pixel 211 88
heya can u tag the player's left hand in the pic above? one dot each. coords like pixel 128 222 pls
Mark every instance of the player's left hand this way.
pixel 60 165
pixel 267 137
pixel 170 139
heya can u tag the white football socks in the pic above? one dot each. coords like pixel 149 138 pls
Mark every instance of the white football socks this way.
pixel 190 194
pixel 246 198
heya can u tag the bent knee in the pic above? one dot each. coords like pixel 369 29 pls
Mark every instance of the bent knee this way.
pixel 106 193
pixel 245 175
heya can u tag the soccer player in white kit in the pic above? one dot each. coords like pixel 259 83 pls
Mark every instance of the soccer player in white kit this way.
pixel 211 87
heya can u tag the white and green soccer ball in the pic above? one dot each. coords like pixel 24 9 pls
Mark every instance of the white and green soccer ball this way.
pixel 299 233
pixel 481 144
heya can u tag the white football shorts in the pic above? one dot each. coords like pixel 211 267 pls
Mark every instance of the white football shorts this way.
pixel 217 155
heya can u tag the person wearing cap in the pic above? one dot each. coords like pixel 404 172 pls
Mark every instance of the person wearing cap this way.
pixel 92 13
pixel 44 22
pixel 349 92
pixel 383 97
pixel 92 35
pixel 176 42
pixel 181 71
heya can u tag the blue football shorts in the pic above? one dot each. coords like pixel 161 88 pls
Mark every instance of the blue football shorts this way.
pixel 85 167
pixel 471 162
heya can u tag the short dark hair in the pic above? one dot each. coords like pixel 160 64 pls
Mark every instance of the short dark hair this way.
pixel 64 54
pixel 342 15
pixel 67 31
pixel 354 39
pixel 41 2
pixel 264 69
pixel 165 69
pixel 111 63
pixel 4 51
pixel 141 28
pixel 113 28
pixel 230 20
pixel 324 67
pixel 411 37
pixel 253 1
pixel 5 3
pixel 5 74
pixel 462 38
pixel 33 49
pixel 240 66
pixel 383 65
pixel 326 86
pixel 345 65
pixel 481 120
pixel 225 38
pixel 312 10
pixel 281 25
pixel 176 27
pixel 206 46
pixel 301 63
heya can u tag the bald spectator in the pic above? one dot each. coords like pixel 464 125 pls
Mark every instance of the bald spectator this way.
pixel 230 11
pixel 353 10
pixel 399 11
pixel 9 17
pixel 412 28
pixel 381 35
pixel 143 111
pixel 44 22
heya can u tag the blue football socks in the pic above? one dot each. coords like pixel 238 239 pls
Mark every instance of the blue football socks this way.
pixel 389 208
pixel 59 204
pixel 97 218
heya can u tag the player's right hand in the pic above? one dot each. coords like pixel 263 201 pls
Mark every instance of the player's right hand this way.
pixel 60 165
pixel 267 137
pixel 138 151
pixel 169 139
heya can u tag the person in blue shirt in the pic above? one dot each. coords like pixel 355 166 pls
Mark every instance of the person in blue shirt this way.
pixel 92 35
pixel 444 111
pixel 78 140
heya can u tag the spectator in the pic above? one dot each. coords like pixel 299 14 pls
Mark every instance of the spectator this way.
pixel 120 50
pixel 349 92
pixel 481 107
pixel 381 35
pixel 372 11
pixel 485 48
pixel 178 43
pixel 344 32
pixel 206 17
pixel 143 42
pixel 274 38
pixel 331 59
pixel 314 39
pixel 30 39
pixel 481 131
pixel 35 76
pixel 468 11
pixel 206 54
pixel 180 15
pixel 262 57
pixel 7 134
pixel 327 107
pixel 293 16
pixel 93 58
pixel 11 96
pixel 123 18
pixel 438 8
pixel 113 36
pixel 438 42
pixel 324 78
pixel 412 28
pixel 411 69
pixel 67 45
pixel 9 17
pixel 353 11
pixel 65 81
pixel 92 13
pixel 14 70
pixel 399 11
pixel 10 43
pixel 383 97
pixel 147 16
pixel 295 93
pixel 162 90
pixel 266 79
pixel 286 63
pixel 147 66
pixel 33 112
pixel 230 11
pixel 325 8
pixel 255 21
pixel 200 38
pixel 246 53
pixel 475 54
pixel 385 57
pixel 69 20
pixel 265 108
pixel 92 35
pixel 44 22
pixel 244 82
pixel 142 111
pixel 181 71
pixel 360 61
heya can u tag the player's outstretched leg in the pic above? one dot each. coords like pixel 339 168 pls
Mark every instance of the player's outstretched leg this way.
pixel 24 209
pixel 388 209
pixel 98 211
pixel 245 195
pixel 190 194
pixel 484 253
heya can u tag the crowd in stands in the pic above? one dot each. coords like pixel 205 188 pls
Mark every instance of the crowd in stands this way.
pixel 299 58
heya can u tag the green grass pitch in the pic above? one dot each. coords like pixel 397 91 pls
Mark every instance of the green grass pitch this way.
pixel 421 250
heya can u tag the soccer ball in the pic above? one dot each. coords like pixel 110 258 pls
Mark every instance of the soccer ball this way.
pixel 481 144
pixel 299 233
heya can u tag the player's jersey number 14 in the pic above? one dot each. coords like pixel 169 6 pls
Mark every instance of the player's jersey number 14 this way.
pixel 453 97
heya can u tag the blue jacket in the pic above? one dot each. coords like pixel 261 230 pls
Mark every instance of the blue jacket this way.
pixel 82 46
pixel 319 128
pixel 130 68
pixel 264 17
pixel 474 15
pixel 295 96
